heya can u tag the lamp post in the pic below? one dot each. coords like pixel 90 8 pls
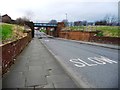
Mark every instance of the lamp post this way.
pixel 66 25
pixel 66 16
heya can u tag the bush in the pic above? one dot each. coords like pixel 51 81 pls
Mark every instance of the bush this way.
pixel 100 34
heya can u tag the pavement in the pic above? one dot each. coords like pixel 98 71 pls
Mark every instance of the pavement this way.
pixel 36 68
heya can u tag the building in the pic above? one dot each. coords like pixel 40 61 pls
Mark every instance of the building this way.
pixel 90 23
pixel 6 19
pixel 80 23
pixel 77 23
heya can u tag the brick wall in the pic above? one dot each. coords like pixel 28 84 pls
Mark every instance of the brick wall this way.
pixel 76 35
pixel 11 50
pixel 106 40
pixel 88 36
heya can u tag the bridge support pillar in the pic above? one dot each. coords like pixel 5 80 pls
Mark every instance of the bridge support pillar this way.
pixel 31 25
pixel 60 25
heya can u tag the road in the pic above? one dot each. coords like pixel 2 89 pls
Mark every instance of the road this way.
pixel 91 66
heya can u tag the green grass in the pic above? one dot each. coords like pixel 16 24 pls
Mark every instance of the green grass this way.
pixel 42 30
pixel 11 32
pixel 6 31
pixel 74 28
pixel 110 31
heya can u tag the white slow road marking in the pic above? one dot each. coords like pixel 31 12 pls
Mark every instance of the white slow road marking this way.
pixel 47 40
pixel 78 63
pixel 95 61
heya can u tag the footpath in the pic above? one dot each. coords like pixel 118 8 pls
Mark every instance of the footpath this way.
pixel 36 68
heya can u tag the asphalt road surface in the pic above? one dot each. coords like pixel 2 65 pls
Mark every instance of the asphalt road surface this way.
pixel 93 66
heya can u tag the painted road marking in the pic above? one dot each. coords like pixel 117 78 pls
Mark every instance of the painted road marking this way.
pixel 47 40
pixel 78 63
pixel 95 61
pixel 101 60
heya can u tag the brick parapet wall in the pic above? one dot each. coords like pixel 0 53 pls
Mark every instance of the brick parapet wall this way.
pixel 76 35
pixel 88 36
pixel 106 40
pixel 11 50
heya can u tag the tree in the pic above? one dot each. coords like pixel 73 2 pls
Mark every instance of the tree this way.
pixel 114 20
pixel 53 21
pixel 28 15
pixel 65 22
pixel 0 18
pixel 84 23
pixel 111 19
pixel 21 21
pixel 25 19
pixel 107 18
pixel 102 22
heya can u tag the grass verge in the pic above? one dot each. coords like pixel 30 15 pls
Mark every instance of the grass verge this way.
pixel 6 31
pixel 11 32
pixel 108 31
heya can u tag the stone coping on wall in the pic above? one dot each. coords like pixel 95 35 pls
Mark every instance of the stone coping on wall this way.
pixel 12 49
pixel 11 41
pixel 80 31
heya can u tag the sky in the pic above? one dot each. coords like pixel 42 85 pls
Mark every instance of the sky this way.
pixel 46 10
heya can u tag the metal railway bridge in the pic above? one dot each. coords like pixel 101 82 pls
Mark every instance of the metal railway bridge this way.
pixel 45 25
pixel 57 27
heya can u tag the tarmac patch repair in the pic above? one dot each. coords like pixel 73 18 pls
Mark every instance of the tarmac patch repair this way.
pixel 95 61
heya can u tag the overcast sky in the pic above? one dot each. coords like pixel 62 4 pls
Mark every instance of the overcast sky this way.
pixel 45 10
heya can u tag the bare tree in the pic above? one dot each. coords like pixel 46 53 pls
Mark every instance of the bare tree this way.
pixel 107 18
pixel 19 21
pixel 114 19
pixel 0 18
pixel 26 18
pixel 119 13
pixel 28 15
pixel 65 22
pixel 111 19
